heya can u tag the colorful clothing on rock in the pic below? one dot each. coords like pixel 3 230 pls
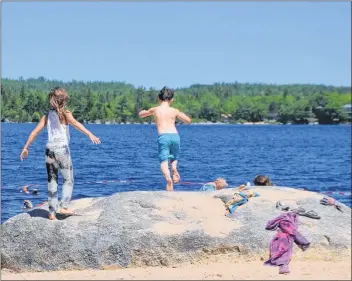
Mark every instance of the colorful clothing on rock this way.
pixel 281 246
pixel 57 157
pixel 239 198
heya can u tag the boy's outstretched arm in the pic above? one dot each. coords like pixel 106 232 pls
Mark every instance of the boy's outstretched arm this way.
pixel 183 117
pixel 146 113
pixel 32 137
pixel 71 120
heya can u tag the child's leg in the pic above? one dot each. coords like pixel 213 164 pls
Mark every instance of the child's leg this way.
pixel 65 164
pixel 164 152
pixel 175 150
pixel 175 174
pixel 164 167
pixel 52 168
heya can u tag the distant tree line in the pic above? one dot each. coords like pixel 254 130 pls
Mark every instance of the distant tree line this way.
pixel 25 100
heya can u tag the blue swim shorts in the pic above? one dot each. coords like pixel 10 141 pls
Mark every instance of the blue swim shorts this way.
pixel 168 147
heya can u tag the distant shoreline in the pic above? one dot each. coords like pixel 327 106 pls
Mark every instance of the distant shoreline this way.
pixel 200 123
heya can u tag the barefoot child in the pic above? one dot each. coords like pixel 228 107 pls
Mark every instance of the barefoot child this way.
pixel 218 184
pixel 168 139
pixel 57 149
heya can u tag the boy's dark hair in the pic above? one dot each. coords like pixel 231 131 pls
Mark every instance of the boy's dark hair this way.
pixel 262 180
pixel 166 94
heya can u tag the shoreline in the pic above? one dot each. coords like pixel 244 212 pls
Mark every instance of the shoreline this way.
pixel 225 270
pixel 204 124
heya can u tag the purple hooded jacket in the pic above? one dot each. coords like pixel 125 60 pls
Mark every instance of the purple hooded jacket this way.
pixel 281 246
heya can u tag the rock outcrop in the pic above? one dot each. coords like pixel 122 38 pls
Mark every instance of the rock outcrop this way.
pixel 166 228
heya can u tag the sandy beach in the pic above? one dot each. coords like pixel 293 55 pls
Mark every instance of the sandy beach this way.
pixel 300 270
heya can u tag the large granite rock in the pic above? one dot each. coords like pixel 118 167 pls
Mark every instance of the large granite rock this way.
pixel 166 228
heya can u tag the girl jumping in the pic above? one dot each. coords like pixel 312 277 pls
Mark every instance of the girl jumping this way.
pixel 57 149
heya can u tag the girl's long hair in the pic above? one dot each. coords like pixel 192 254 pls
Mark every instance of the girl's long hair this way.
pixel 58 99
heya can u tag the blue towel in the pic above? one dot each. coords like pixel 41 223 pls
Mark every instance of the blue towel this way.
pixel 233 207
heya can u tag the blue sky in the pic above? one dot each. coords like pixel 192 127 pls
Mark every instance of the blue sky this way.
pixel 178 44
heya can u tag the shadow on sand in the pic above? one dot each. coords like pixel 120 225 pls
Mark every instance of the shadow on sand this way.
pixel 42 213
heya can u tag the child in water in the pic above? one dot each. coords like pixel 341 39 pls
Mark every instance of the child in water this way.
pixel 25 189
pixel 168 137
pixel 218 184
pixel 262 180
pixel 57 149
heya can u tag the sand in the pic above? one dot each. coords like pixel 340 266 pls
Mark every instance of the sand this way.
pixel 300 270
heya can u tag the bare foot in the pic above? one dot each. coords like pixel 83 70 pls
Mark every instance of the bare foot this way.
pixel 66 211
pixel 52 217
pixel 175 176
pixel 169 186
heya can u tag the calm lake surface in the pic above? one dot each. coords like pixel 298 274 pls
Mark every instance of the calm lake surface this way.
pixel 313 157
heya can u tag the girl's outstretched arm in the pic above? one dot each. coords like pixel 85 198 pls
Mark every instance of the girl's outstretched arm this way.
pixel 32 137
pixel 71 120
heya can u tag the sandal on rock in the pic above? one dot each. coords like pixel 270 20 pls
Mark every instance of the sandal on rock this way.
pixel 311 214
pixel 325 201
pixel 299 211
pixel 284 205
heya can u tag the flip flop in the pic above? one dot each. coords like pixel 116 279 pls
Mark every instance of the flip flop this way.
pixel 287 207
pixel 282 207
pixel 324 201
pixel 311 214
pixel 328 201
pixel 299 211
pixel 302 212
pixel 278 204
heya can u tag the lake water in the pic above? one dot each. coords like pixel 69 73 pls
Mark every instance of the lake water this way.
pixel 313 157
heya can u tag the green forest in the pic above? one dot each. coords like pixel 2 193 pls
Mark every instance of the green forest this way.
pixel 25 100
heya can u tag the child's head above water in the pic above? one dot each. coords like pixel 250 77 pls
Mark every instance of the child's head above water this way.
pixel 166 94
pixel 262 180
pixel 220 183
pixel 58 99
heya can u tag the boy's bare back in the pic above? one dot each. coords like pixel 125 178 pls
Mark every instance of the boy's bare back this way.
pixel 165 117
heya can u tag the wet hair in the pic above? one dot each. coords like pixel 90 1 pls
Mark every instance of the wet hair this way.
pixel 262 180
pixel 58 99
pixel 166 94
pixel 220 183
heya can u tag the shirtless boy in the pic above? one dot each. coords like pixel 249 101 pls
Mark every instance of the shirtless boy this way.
pixel 168 137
